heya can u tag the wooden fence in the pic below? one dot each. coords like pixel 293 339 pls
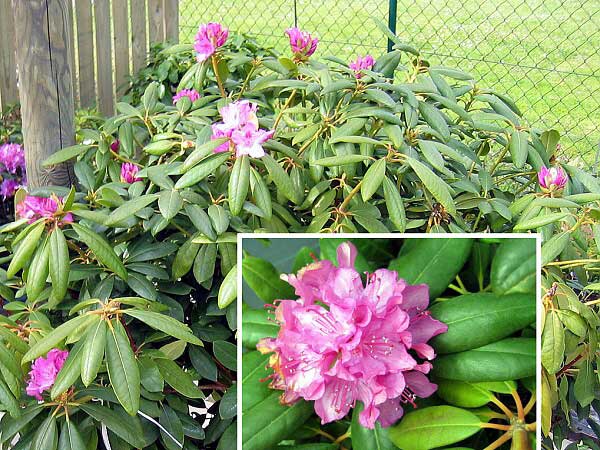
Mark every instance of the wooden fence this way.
pixel 108 41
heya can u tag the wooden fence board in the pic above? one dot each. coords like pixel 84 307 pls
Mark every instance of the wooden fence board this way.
pixel 85 53
pixel 156 28
pixel 138 34
pixel 120 14
pixel 8 74
pixel 171 15
pixel 104 57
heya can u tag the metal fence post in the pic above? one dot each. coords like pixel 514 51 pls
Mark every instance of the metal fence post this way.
pixel 392 13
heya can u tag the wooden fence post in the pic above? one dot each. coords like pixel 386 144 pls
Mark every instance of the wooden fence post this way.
pixel 8 72
pixel 45 86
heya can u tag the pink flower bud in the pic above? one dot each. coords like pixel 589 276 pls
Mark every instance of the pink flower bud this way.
pixel 209 38
pixel 34 208
pixel 115 145
pixel 128 172
pixel 192 94
pixel 302 43
pixel 361 63
pixel 553 179
pixel 44 371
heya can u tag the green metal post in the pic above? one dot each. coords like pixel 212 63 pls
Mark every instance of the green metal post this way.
pixel 392 13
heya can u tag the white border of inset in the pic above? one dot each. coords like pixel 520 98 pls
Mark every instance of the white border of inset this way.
pixel 539 309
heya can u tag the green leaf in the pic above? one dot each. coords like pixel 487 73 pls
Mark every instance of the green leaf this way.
pixel 184 259
pixel 23 252
pixel 514 266
pixel 553 343
pixel 435 119
pixel 178 379
pixel 478 319
pixel 540 221
pixel 46 436
pixel 56 336
pixel 70 370
pixel 93 351
pixel 263 279
pixel 334 161
pixel 438 188
pixel 166 324
pixel 433 427
pixel 555 246
pixel 201 220
pixel 130 430
pixel 228 289
pixel 142 286
pixel 12 425
pixel 260 192
pixel 281 179
pixel 172 423
pixel 508 359
pixel 255 326
pixel 208 166
pixel 228 404
pixel 435 262
pixel 226 354
pixel 59 266
pixel 518 147
pixel 394 205
pixel 128 209
pixel 65 154
pixel 102 249
pixel 8 401
pixel 123 370
pixel 170 203
pixel 463 393
pixel 38 271
pixel 372 179
pixel 365 438
pixel 239 182
pixel 203 363
pixel 70 438
pixel 585 384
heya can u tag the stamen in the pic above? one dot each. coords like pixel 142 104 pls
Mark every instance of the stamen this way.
pixel 408 396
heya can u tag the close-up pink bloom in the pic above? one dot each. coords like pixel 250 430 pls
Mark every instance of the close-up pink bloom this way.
pixel 34 208
pixel 8 187
pixel 44 371
pixel 240 126
pixel 553 179
pixel 115 145
pixel 192 94
pixel 344 341
pixel 302 43
pixel 361 63
pixel 209 38
pixel 128 173
pixel 12 157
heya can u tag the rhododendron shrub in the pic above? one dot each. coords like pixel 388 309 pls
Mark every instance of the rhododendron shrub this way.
pixel 376 339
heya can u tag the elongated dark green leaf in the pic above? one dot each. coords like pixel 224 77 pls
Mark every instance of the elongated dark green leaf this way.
pixel 184 259
pixel 169 203
pixel 375 439
pixel 202 152
pixel 171 422
pixel 205 168
pixel 394 205
pixel 11 425
pixel 93 351
pixel 25 249
pixel 166 324
pixel 435 119
pixel 201 221
pixel 203 363
pixel 334 161
pixel 123 370
pixel 255 326
pixel 239 182
pixel 264 279
pixel 463 393
pixel 130 430
pixel 372 179
pixel 102 249
pixel 8 401
pixel 438 187
pixel 478 319
pixel 70 370
pixel 178 379
pixel 540 221
pixel 65 154
pixel 228 404
pixel 434 262
pixel 129 208
pixel 433 427
pixel 55 337
pixel 226 354
pixel 260 192
pixel 228 289
pixel 585 384
pixel 518 147
pixel 281 179
pixel 46 436
pixel 59 266
pixel 38 271
pixel 554 246
pixel 553 343
pixel 508 359
pixel 70 438
pixel 514 266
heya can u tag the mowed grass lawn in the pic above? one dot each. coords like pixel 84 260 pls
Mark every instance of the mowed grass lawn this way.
pixel 543 53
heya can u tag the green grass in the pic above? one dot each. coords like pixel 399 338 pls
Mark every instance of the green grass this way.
pixel 543 53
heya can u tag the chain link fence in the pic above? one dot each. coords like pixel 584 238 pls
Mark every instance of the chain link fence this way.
pixel 544 53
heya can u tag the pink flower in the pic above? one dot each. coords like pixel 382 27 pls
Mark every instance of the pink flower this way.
pixel 553 179
pixel 343 341
pixel 8 187
pixel 302 43
pixel 128 172
pixel 240 126
pixel 115 145
pixel 192 94
pixel 361 63
pixel 12 157
pixel 209 38
pixel 34 208
pixel 44 371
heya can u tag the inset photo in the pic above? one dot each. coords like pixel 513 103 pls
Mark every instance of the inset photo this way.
pixel 390 341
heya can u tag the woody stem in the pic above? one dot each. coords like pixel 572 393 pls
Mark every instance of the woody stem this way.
pixel 503 407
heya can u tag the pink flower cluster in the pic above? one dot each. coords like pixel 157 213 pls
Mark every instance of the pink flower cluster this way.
pixel 8 187
pixel 209 38
pixel 361 63
pixel 302 43
pixel 341 341
pixel 12 157
pixel 34 208
pixel 240 126
pixel 44 371
pixel 553 179
pixel 192 94
pixel 129 172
